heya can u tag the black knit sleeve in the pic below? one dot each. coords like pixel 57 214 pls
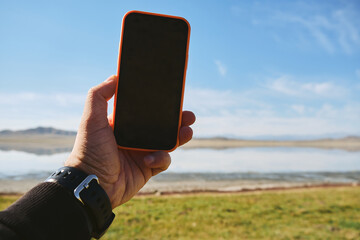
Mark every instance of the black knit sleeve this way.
pixel 46 212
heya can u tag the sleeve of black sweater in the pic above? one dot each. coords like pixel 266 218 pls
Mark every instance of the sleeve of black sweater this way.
pixel 46 212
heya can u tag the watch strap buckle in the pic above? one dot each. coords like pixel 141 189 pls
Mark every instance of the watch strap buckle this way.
pixel 84 185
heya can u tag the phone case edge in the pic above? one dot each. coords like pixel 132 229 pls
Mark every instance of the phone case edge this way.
pixel 183 86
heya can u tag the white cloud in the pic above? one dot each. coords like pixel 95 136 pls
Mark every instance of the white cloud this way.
pixel 240 114
pixel 327 111
pixel 337 30
pixel 286 85
pixel 300 109
pixel 324 88
pixel 214 102
pixel 240 125
pixel 348 31
pixel 55 99
pixel 24 110
pixel 316 28
pixel 221 67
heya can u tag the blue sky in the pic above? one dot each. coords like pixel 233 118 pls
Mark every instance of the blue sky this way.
pixel 256 68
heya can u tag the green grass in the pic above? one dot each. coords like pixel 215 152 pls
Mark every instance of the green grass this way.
pixel 323 213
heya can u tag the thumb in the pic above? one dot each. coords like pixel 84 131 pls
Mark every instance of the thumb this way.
pixel 105 89
pixel 96 102
pixel 158 161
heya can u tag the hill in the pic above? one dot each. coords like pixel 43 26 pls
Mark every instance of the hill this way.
pixel 38 131
pixel 48 140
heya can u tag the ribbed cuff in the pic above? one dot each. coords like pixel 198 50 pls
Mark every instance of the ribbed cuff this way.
pixel 46 212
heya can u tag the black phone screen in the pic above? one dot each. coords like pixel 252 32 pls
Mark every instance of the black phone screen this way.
pixel 151 76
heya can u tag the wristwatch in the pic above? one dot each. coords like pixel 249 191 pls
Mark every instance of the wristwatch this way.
pixel 90 195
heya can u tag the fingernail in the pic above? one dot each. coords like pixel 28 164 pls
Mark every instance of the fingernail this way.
pixel 149 159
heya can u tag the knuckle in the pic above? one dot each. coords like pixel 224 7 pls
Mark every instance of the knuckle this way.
pixel 91 95
pixel 91 91
pixel 94 98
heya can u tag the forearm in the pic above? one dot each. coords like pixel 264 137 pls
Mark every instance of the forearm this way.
pixel 47 211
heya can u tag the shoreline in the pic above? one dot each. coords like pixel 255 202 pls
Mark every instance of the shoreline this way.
pixel 215 192
pixel 244 191
pixel 237 186
pixel 48 144
pixel 347 144
pixel 159 188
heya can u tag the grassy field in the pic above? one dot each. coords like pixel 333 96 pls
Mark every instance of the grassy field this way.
pixel 319 213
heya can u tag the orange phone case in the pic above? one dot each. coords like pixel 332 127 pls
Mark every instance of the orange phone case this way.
pixel 183 85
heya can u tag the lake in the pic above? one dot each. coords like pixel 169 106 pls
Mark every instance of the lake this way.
pixel 233 163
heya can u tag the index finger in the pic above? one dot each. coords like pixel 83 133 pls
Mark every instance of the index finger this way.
pixel 188 118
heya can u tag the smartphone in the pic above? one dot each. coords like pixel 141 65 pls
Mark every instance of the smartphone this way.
pixel 152 66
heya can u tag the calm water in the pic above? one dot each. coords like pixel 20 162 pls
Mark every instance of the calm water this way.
pixel 250 163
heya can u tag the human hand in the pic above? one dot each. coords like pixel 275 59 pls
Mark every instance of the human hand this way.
pixel 122 173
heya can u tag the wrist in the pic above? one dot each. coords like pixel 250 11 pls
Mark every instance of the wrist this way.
pixel 91 170
pixel 87 192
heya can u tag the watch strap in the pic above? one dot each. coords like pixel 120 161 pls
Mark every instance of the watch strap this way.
pixel 86 189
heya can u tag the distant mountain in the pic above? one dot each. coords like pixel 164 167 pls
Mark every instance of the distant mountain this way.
pixel 351 138
pixel 38 131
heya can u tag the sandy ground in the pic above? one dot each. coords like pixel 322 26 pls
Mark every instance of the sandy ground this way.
pixel 17 186
pixel 348 144
pixel 183 187
pixel 50 144
pixel 45 144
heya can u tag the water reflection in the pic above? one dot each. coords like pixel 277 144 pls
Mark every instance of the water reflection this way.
pixel 264 160
pixel 14 163
pixel 35 150
pixel 257 160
